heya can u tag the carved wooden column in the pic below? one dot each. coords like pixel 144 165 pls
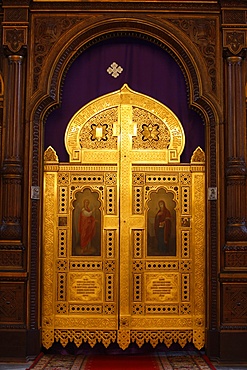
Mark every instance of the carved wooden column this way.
pixel 233 277
pixel 12 170
pixel 236 230
pixel 14 264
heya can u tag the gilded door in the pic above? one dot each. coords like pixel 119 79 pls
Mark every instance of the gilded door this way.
pixel 124 229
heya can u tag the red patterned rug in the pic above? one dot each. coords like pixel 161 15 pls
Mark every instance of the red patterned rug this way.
pixel 157 361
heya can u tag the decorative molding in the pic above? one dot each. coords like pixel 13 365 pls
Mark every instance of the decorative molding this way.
pixel 9 231
pixel 236 172
pixel 13 278
pixel 235 248
pixel 234 303
pixel 11 259
pixel 141 6
pixel 235 231
pixel 20 3
pixel 233 4
pixel 229 279
pixel 123 337
pixel 47 31
pixel 234 17
pixel 15 39
pixel 236 259
pixel 12 167
pixel 143 31
pixel 34 219
pixel 202 32
pixel 15 15
pixel 233 327
pixel 234 40
pixel 13 326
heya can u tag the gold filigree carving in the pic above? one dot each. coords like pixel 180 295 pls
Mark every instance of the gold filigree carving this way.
pixel 123 338
pixel 90 323
pixel 97 132
pixel 100 124
pixel 199 240
pixel 198 156
pixel 47 338
pixel 79 336
pixel 199 338
pixel 47 255
pixel 152 132
pixel 166 337
pixel 50 155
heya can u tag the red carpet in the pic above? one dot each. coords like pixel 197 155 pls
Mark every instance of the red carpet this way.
pixel 157 361
pixel 117 362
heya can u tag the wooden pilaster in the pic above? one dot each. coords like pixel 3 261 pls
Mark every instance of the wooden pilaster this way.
pixel 12 170
pixel 236 230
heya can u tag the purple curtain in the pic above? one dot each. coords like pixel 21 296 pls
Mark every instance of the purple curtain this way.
pixel 147 69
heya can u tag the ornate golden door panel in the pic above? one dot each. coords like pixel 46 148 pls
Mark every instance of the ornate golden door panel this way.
pixel 124 229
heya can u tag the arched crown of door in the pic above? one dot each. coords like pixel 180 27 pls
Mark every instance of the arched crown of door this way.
pixel 90 129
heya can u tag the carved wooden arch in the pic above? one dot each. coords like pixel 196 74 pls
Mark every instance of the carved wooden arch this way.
pixel 201 88
pixel 46 97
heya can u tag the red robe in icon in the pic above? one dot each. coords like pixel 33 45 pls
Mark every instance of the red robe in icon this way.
pixel 86 227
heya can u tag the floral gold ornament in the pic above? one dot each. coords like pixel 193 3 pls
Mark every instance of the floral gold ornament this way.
pixel 150 132
pixel 99 132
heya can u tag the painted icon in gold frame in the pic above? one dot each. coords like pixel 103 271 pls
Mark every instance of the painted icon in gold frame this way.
pixel 86 224
pixel 161 224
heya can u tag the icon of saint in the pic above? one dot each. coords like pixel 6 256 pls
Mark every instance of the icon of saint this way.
pixel 162 225
pixel 87 226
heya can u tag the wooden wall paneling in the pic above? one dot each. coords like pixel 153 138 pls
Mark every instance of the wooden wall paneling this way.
pixel 232 278
pixel 13 253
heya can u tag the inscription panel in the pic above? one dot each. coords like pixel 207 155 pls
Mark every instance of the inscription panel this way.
pixel 161 288
pixel 87 287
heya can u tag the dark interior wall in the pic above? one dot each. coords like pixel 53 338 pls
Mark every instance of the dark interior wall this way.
pixel 146 68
